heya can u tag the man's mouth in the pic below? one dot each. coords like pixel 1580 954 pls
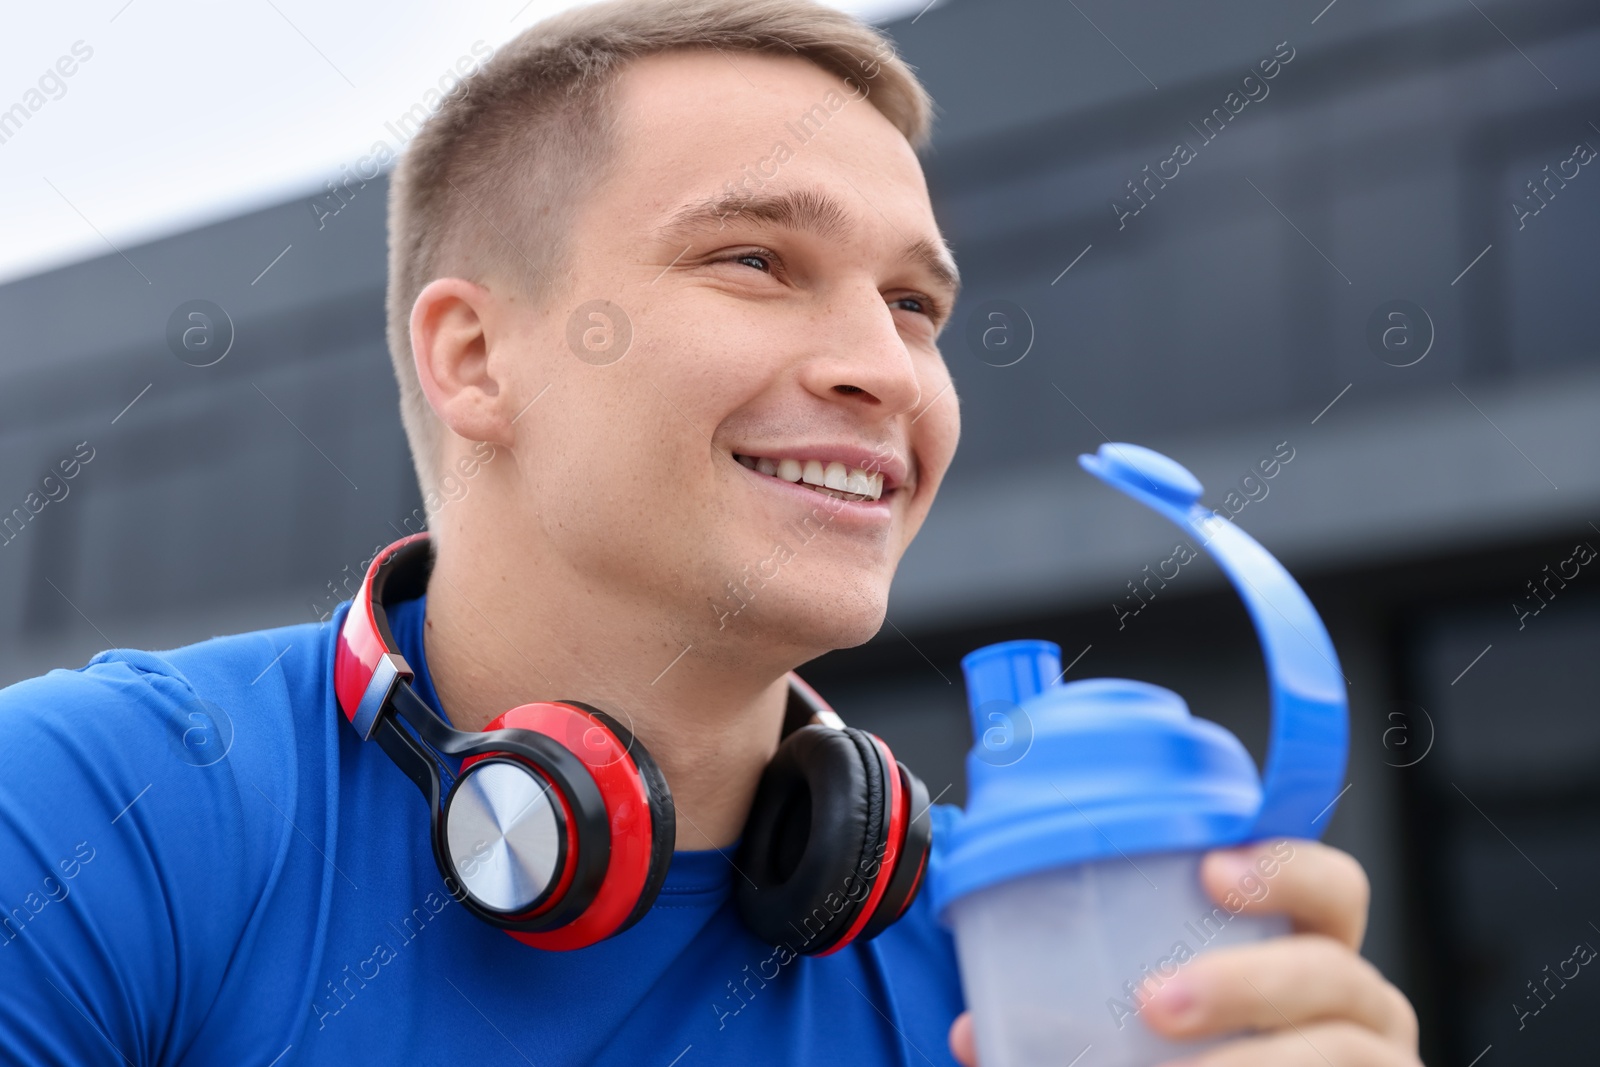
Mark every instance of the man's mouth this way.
pixel 830 479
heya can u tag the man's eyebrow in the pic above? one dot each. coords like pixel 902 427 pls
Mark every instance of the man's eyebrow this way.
pixel 937 258
pixel 799 209
pixel 793 209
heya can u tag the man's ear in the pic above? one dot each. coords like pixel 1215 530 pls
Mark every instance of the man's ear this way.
pixel 450 343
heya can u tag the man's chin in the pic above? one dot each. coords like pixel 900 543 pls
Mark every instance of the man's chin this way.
pixel 838 633
pixel 806 626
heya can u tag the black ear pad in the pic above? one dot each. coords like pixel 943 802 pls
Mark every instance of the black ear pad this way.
pixel 910 858
pixel 816 825
pixel 663 816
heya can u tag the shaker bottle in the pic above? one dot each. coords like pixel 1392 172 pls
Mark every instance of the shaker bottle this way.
pixel 1071 881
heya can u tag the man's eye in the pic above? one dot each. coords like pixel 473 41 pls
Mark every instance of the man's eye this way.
pixel 759 260
pixel 921 305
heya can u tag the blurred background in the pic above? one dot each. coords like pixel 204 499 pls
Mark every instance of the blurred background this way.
pixel 1379 262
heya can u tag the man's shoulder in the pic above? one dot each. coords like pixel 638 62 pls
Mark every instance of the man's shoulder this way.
pixel 250 674
pixel 218 724
pixel 148 800
pixel 234 725
pixel 267 661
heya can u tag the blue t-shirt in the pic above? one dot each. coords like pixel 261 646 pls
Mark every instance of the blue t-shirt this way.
pixel 200 863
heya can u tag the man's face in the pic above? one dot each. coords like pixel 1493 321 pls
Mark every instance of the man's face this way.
pixel 796 330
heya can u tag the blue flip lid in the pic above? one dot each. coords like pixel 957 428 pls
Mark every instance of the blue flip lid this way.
pixel 1066 773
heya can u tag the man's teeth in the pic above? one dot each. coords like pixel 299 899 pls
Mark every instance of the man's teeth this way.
pixel 844 481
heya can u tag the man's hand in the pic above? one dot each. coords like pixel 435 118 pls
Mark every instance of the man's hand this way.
pixel 1309 997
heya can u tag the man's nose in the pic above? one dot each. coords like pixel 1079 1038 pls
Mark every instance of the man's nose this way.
pixel 860 354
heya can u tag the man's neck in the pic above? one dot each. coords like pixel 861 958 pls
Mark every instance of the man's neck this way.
pixel 492 644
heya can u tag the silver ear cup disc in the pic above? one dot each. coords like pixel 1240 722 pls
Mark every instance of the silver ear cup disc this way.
pixel 503 832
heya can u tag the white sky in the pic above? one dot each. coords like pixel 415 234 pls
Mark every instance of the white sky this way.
pixel 190 111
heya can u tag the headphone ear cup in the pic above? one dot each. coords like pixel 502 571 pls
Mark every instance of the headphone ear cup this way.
pixel 815 826
pixel 908 863
pixel 663 815
pixel 623 871
pixel 505 836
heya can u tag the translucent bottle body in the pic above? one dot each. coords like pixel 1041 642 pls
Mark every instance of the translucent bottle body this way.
pixel 1057 965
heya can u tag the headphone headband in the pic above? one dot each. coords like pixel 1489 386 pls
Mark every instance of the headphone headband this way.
pixel 368 668
pixel 366 665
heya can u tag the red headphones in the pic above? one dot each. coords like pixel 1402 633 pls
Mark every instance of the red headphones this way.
pixel 558 827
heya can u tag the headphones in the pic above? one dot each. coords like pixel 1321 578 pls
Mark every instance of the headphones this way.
pixel 558 826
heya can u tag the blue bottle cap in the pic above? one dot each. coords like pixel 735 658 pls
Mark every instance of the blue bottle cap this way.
pixel 1067 773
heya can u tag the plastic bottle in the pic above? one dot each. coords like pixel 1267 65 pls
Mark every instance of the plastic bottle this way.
pixel 1072 879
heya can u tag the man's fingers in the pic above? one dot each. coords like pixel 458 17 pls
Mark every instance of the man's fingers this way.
pixel 962 1045
pixel 1321 889
pixel 1280 984
pixel 1316 1045
pixel 1294 989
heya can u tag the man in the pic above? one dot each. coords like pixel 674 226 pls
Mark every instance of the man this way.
pixel 659 259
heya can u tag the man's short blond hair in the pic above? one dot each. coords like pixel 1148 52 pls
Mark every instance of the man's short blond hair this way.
pixel 490 184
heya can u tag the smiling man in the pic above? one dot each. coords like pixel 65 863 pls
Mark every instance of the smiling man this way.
pixel 675 263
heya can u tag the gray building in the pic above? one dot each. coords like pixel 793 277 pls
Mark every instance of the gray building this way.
pixel 1378 259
